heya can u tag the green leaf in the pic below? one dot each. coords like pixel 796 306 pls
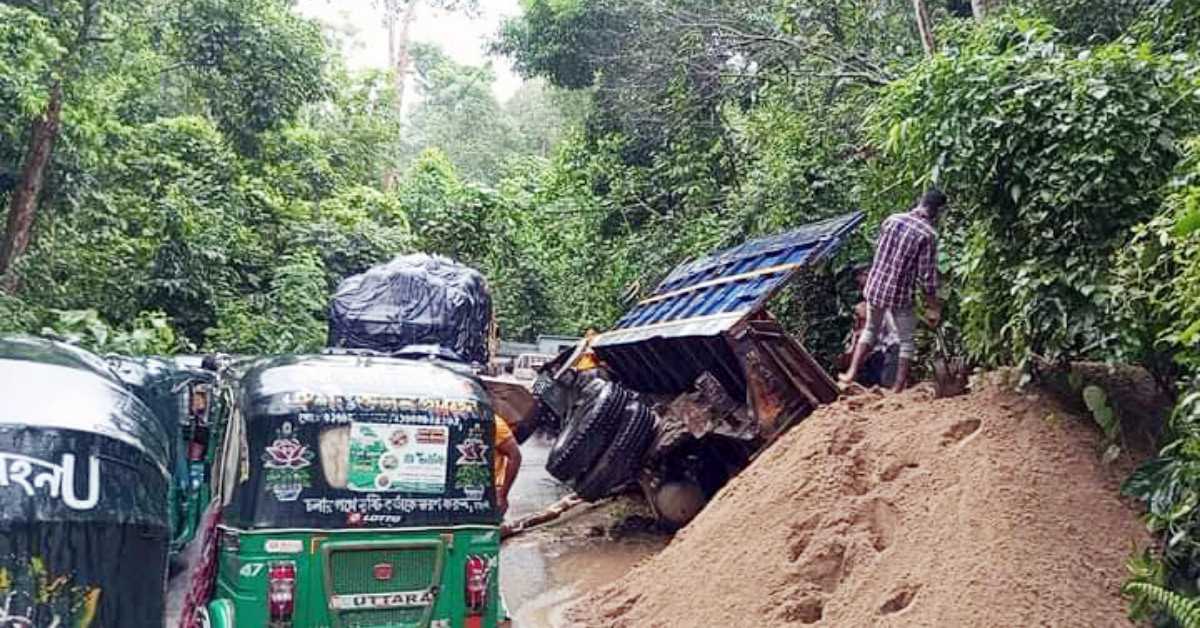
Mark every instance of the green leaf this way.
pixel 1187 224
pixel 1095 397
pixel 1191 334
pixel 1106 419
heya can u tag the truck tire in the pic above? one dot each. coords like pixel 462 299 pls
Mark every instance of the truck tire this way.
pixel 620 462
pixel 677 503
pixel 587 430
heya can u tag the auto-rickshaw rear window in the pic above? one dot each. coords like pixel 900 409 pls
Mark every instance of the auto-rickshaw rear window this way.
pixel 369 462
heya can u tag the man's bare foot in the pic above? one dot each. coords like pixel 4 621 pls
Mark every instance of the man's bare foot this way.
pixel 850 388
pixel 845 378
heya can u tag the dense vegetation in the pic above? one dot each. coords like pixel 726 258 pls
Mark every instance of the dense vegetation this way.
pixel 215 171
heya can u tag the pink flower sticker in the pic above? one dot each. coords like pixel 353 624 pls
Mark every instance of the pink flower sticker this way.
pixel 287 453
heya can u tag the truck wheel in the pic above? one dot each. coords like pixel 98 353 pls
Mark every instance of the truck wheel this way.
pixel 587 430
pixel 677 503
pixel 620 462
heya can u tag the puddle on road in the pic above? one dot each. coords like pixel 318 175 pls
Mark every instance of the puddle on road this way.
pixel 546 571
pixel 565 577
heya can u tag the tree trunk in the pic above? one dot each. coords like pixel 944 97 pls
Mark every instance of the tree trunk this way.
pixel 401 59
pixel 22 207
pixel 399 27
pixel 924 26
pixel 389 19
pixel 981 8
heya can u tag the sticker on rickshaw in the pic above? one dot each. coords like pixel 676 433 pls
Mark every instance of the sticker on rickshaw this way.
pixel 287 462
pixel 398 458
pixel 404 599
pixel 32 596
pixel 284 546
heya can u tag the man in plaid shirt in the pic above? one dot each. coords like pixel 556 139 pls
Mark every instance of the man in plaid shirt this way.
pixel 905 257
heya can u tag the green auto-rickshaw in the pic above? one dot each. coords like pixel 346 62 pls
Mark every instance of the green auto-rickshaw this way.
pixel 180 394
pixel 356 491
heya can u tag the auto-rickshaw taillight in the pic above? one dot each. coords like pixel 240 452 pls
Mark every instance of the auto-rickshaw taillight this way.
pixel 281 591
pixel 477 584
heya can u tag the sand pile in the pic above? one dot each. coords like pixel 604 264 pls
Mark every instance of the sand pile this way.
pixel 991 509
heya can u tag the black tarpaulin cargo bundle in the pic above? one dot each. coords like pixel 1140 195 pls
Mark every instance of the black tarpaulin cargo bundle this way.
pixel 415 300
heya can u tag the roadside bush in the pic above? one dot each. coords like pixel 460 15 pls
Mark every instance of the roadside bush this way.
pixel 149 333
pixel 16 315
pixel 287 318
pixel 1158 301
pixel 446 214
pixel 1156 298
pixel 1050 154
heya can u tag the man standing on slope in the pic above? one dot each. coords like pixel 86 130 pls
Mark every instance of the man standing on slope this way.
pixel 905 255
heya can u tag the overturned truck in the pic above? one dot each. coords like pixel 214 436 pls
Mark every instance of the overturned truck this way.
pixel 693 382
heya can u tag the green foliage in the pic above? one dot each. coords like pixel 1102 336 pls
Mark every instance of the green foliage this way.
pixel 1096 401
pixel 447 216
pixel 1158 301
pixel 1050 155
pixel 186 226
pixel 287 318
pixel 257 62
pixel 1156 297
pixel 1172 25
pixel 28 55
pixel 561 39
pixel 16 315
pixel 455 100
pixel 149 333
pixel 1144 569
pixel 1183 610
pixel 1094 21
pixel 1170 486
pixel 1106 417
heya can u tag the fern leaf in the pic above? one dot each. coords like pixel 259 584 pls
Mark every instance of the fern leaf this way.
pixel 1182 609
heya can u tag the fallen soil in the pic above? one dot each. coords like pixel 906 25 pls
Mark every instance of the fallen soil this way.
pixel 991 509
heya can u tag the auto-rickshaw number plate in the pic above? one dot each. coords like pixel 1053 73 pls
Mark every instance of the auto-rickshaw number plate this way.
pixel 405 599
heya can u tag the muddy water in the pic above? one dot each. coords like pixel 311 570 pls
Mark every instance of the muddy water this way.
pixel 544 572
pixel 565 575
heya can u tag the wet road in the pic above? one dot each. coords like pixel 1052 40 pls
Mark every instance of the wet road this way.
pixel 543 573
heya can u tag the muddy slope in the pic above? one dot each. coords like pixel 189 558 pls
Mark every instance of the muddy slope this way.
pixel 991 509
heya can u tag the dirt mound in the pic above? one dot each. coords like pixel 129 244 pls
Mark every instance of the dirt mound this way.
pixel 991 509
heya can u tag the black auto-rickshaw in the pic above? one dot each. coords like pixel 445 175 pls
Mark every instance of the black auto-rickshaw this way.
pixel 84 478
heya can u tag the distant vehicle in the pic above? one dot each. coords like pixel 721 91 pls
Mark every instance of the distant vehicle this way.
pixel 500 366
pixel 527 365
